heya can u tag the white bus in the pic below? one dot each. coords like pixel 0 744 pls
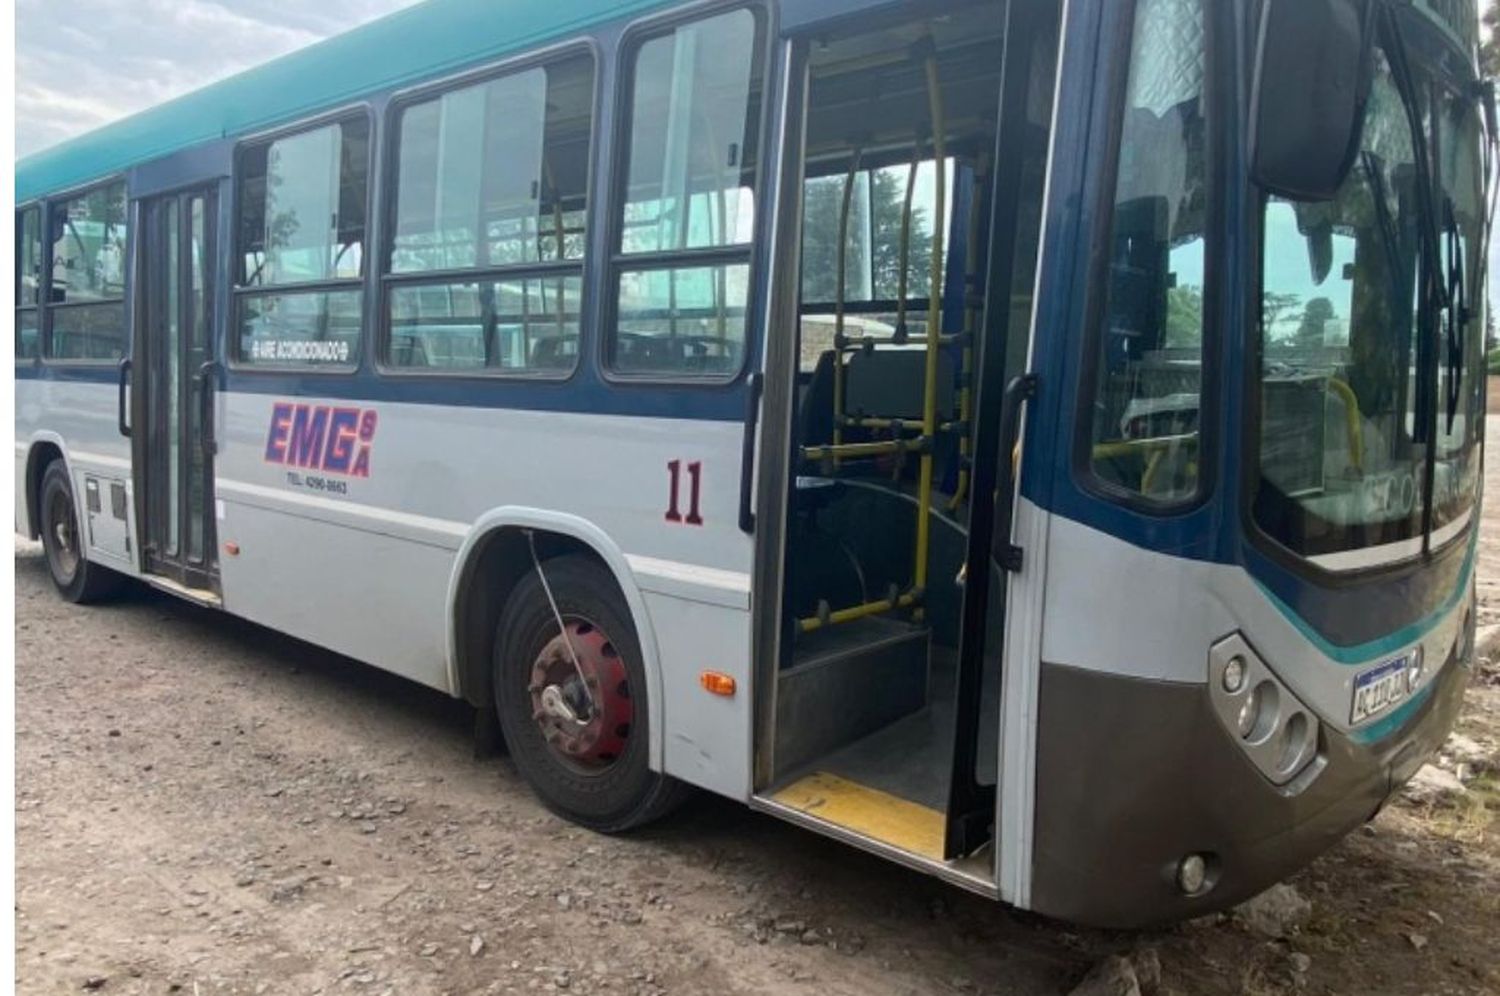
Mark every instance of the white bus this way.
pixel 1036 441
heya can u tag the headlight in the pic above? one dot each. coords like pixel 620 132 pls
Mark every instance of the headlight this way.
pixel 1234 675
pixel 1271 725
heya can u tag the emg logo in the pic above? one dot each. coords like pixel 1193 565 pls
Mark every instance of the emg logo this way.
pixel 321 437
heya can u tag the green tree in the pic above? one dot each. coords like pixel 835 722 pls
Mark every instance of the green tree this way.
pixel 1274 306
pixel 1489 46
pixel 887 204
pixel 1184 316
pixel 822 203
pixel 1318 313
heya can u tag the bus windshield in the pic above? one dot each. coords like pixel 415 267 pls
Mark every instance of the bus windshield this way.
pixel 1460 396
pixel 1347 397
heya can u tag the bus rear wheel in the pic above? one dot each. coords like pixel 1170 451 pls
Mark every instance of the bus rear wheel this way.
pixel 75 577
pixel 572 700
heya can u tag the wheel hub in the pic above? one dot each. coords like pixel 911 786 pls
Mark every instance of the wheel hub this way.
pixel 583 709
pixel 64 536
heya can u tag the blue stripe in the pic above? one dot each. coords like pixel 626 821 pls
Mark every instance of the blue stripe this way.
pixel 1363 653
pixel 586 393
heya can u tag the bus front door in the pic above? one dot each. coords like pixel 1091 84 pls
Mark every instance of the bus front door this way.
pixel 174 370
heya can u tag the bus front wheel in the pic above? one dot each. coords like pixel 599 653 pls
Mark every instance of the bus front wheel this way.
pixel 75 577
pixel 572 700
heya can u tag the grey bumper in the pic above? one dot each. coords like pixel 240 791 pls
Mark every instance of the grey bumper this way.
pixel 1132 775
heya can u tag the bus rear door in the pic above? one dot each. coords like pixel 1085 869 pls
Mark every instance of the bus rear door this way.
pixel 174 371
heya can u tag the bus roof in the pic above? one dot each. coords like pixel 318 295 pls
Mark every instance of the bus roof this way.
pixel 422 41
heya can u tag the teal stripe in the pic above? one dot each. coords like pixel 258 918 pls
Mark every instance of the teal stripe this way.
pixel 431 39
pixel 1390 724
pixel 1365 652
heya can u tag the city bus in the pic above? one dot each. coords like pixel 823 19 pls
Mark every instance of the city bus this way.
pixel 1035 441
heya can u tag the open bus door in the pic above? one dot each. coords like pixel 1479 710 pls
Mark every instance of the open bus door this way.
pixel 919 139
pixel 1003 388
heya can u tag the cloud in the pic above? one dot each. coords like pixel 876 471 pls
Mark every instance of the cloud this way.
pixel 133 54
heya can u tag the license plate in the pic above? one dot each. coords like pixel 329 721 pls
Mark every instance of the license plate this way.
pixel 1380 688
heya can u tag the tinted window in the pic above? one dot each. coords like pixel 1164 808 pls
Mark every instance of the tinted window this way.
pixel 28 280
pixel 492 178
pixel 302 206
pixel 525 323
pixel 1149 359
pixel 89 332
pixel 302 220
pixel 496 174
pixel 693 119
pixel 89 236
pixel 28 257
pixel 695 114
pixel 1340 468
pixel 320 327
pixel 26 333
pixel 1461 388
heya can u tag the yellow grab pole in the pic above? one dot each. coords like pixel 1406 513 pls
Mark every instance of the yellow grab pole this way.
pixel 840 616
pixel 934 323
pixel 841 289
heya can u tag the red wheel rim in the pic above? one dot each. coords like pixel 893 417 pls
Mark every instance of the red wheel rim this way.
pixel 583 710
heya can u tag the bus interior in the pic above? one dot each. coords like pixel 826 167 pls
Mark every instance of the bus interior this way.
pixel 898 301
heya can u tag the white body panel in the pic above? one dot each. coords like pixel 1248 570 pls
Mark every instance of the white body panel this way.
pixel 80 420
pixel 366 566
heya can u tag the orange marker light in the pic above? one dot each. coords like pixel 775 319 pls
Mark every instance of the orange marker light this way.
pixel 717 683
pixel 232 548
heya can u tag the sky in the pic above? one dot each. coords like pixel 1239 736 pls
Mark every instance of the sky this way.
pixel 105 59
pixel 84 63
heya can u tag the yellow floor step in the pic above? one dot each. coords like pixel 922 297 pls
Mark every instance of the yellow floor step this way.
pixel 867 811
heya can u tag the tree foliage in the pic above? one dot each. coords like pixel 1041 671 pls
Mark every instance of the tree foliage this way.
pixel 1489 47
pixel 879 270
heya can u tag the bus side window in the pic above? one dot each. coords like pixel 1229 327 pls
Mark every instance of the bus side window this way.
pixel 492 180
pixel 87 293
pixel 688 209
pixel 301 239
pixel 1148 343
pixel 28 280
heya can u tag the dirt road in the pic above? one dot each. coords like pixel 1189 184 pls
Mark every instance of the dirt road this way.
pixel 206 807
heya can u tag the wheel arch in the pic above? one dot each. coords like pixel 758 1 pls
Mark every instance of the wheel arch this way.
pixel 43 449
pixel 494 556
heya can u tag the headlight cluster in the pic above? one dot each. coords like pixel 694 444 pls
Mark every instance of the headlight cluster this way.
pixel 1271 725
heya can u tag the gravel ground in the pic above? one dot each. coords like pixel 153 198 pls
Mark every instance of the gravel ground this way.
pixel 204 806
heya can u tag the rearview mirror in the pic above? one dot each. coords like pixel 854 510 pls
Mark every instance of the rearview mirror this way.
pixel 1312 76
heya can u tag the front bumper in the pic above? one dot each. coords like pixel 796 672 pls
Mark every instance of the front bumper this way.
pixel 1132 775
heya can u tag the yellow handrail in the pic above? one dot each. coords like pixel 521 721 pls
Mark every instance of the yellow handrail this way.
pixel 826 618
pixel 854 451
pixel 934 340
pixel 1352 424
pixel 1125 447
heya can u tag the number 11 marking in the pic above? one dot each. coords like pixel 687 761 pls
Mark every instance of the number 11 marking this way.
pixel 695 472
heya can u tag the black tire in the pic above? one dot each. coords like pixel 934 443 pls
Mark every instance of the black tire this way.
pixel 625 792
pixel 76 578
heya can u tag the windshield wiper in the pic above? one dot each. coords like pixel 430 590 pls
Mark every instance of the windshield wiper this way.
pixel 1435 293
pixel 1389 236
pixel 1457 316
